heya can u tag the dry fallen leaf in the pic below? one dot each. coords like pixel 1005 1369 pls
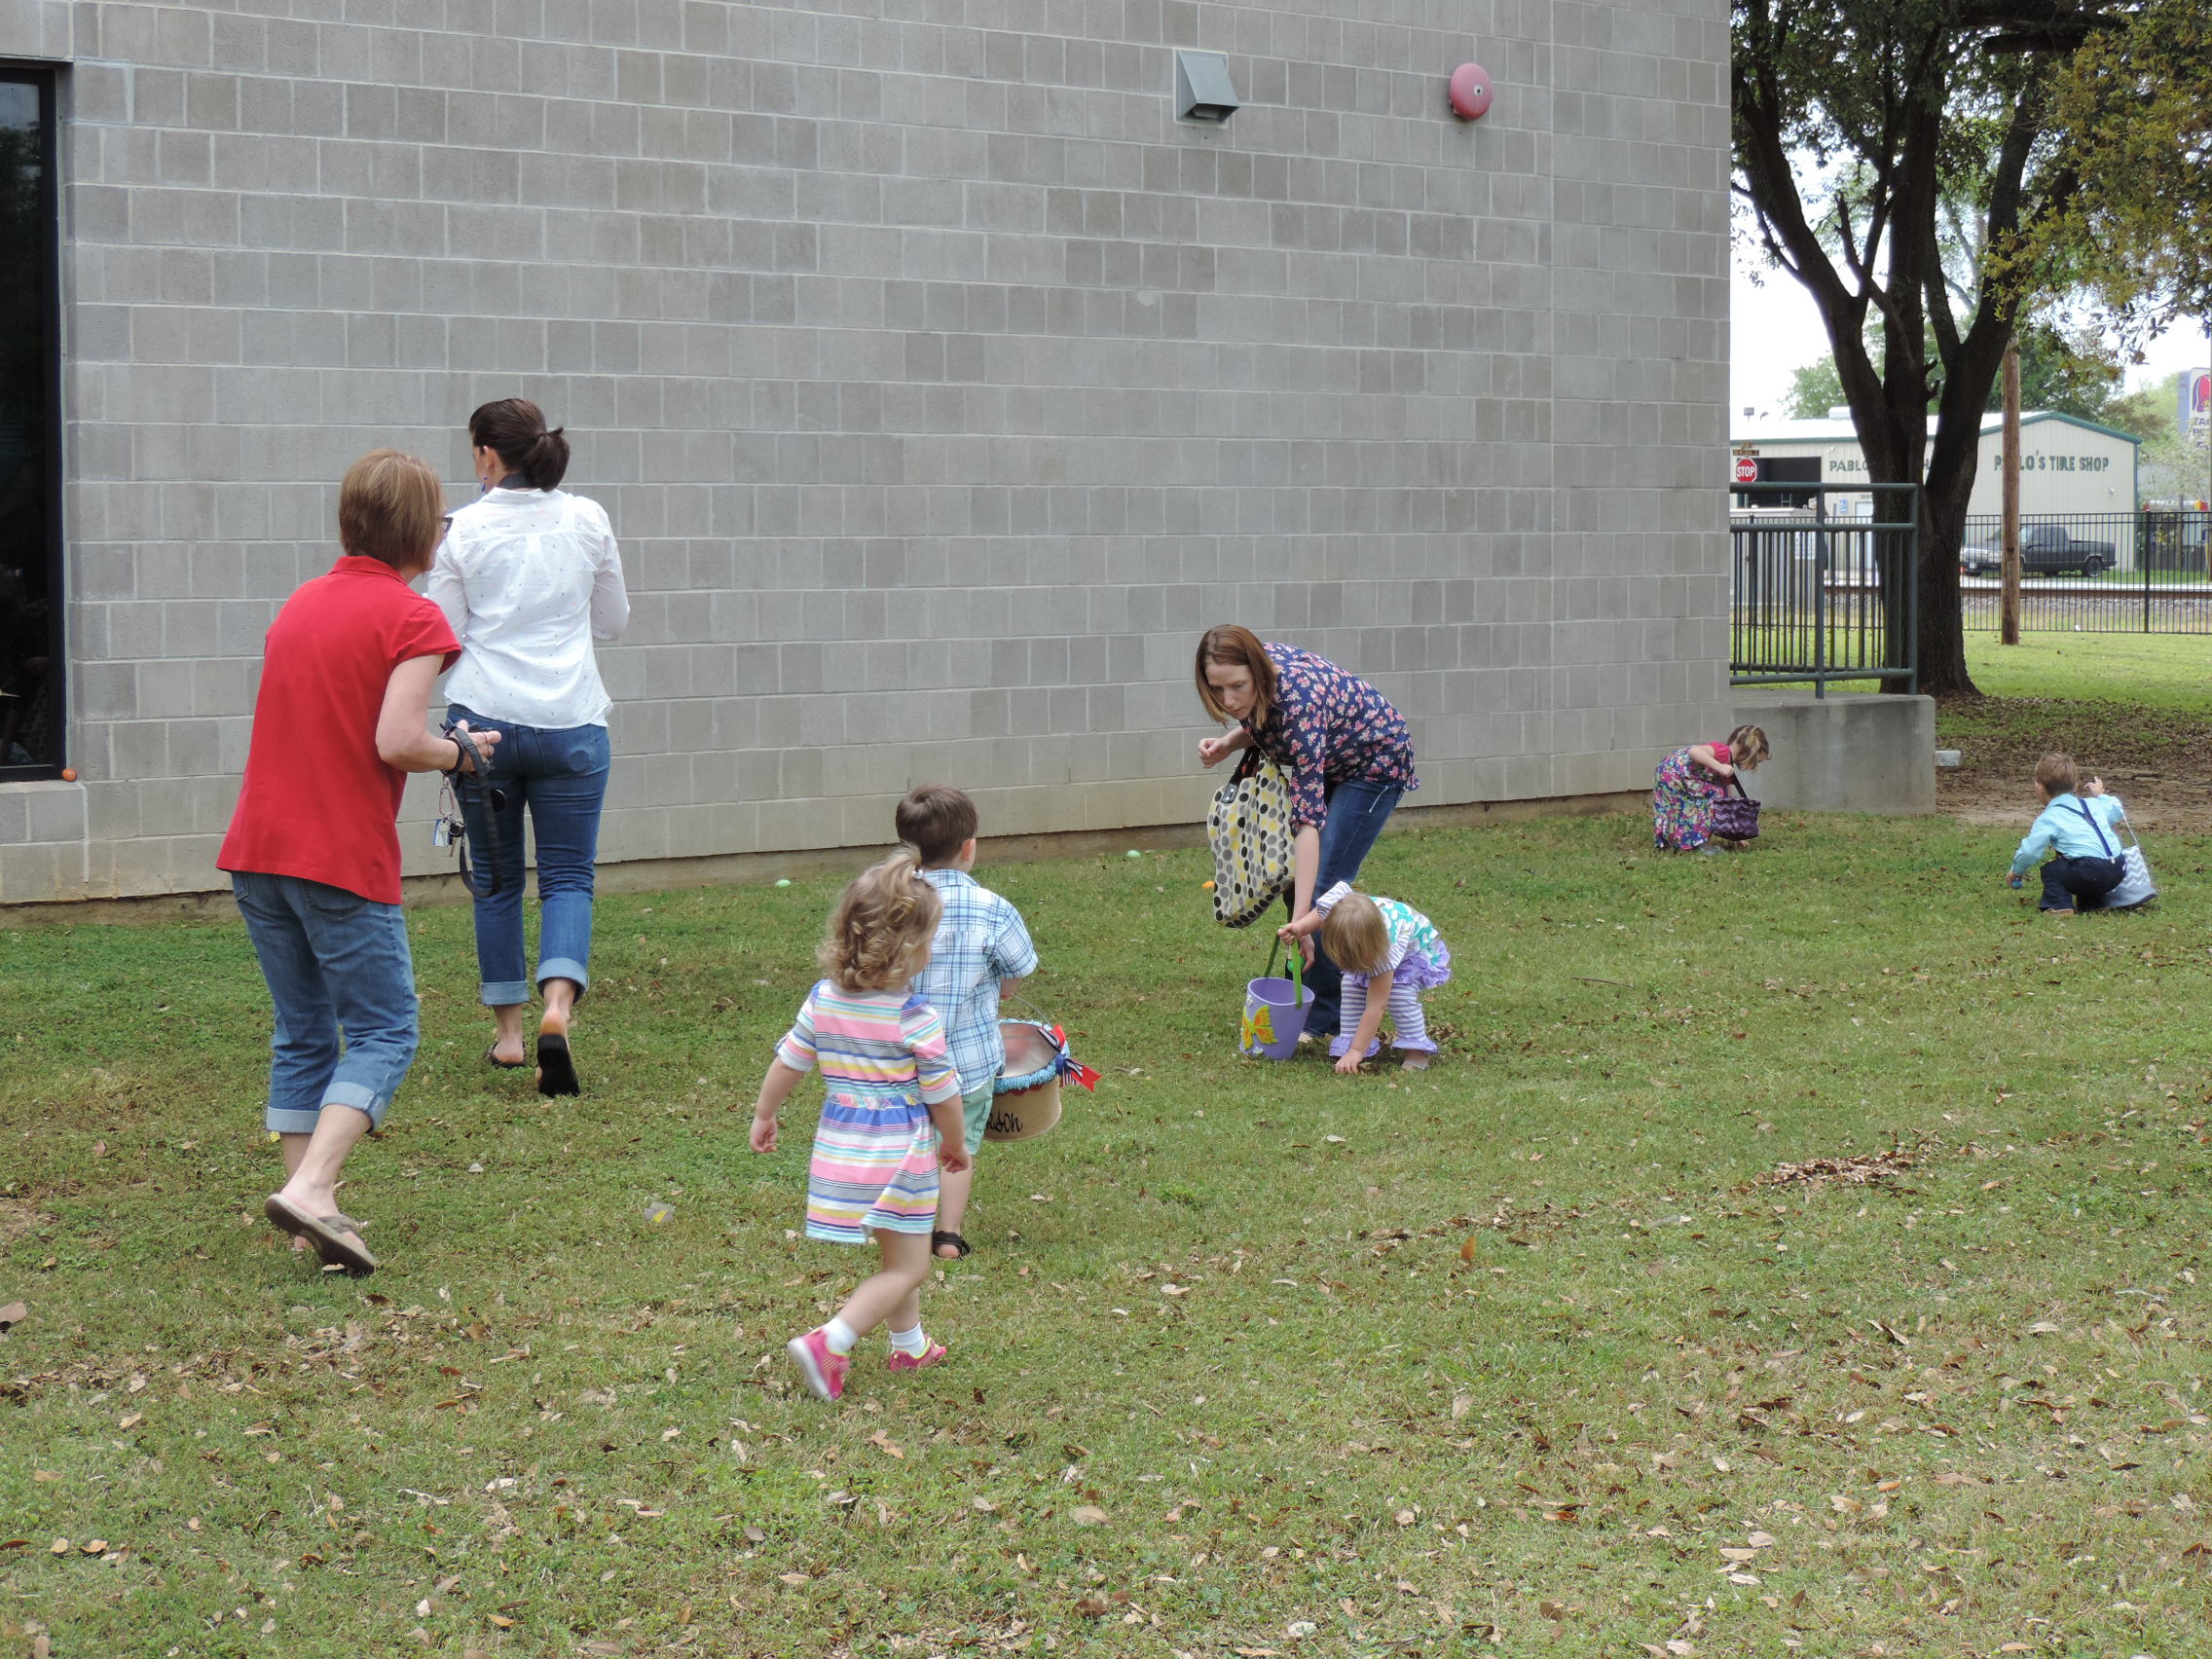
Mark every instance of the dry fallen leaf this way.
pixel 1467 1250
pixel 794 1579
pixel 883 1443
pixel 12 1314
pixel 1552 1609
pixel 1093 1605
pixel 1087 1515
pixel 1761 1541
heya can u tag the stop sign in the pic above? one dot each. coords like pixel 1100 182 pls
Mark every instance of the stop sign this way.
pixel 1747 469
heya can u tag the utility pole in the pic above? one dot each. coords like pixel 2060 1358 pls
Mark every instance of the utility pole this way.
pixel 2008 601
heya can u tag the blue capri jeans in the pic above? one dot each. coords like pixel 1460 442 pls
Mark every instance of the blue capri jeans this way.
pixel 558 775
pixel 1357 811
pixel 342 981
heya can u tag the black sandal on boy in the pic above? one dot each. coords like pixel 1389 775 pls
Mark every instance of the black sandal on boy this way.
pixel 491 1058
pixel 958 1244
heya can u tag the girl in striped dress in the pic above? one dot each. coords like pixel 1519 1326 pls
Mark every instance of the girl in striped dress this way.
pixel 891 1113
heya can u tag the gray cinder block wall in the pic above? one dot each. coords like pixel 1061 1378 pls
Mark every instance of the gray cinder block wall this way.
pixel 940 385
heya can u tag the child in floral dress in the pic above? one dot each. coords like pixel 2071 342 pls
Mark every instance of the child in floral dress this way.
pixel 1690 781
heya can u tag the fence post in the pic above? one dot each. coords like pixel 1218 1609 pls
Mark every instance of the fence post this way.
pixel 1912 589
pixel 1820 594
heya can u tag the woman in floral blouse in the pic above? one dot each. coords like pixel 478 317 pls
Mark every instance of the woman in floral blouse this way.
pixel 1345 748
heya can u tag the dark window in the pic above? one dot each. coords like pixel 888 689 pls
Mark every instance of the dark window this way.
pixel 31 668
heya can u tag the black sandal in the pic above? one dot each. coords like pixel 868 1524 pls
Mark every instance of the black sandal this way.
pixel 954 1239
pixel 556 1067
pixel 491 1058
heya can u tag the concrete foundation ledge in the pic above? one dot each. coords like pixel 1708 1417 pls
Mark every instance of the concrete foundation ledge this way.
pixel 728 869
pixel 1848 752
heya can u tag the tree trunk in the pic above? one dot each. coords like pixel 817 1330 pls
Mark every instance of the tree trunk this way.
pixel 1943 626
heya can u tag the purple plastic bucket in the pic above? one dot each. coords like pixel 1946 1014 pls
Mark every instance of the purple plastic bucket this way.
pixel 1274 1013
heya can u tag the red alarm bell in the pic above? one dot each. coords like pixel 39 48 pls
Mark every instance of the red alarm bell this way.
pixel 1470 91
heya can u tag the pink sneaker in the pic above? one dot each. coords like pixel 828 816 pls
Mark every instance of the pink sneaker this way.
pixel 917 1361
pixel 823 1371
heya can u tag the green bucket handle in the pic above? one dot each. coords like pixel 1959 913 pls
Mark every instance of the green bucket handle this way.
pixel 1296 977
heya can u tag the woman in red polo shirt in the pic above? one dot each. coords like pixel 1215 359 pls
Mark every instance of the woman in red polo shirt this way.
pixel 341 719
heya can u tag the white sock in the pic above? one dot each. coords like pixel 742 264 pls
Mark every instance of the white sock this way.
pixel 911 1342
pixel 841 1337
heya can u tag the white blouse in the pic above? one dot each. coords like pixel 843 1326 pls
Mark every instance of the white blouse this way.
pixel 529 578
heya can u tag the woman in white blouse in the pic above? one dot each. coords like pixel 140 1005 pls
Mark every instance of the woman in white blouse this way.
pixel 529 577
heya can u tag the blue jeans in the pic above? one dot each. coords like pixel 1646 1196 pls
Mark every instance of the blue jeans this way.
pixel 333 960
pixel 560 776
pixel 1357 812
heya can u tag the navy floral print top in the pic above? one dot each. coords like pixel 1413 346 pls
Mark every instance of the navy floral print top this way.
pixel 1327 728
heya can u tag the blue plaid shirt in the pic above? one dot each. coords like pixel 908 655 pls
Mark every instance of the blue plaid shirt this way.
pixel 981 939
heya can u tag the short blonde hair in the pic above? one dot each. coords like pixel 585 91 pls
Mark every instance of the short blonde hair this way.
pixel 1355 935
pixel 1746 748
pixel 2057 775
pixel 391 509
pixel 879 935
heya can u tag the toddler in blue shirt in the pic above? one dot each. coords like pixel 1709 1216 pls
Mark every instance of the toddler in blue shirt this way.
pixel 2076 827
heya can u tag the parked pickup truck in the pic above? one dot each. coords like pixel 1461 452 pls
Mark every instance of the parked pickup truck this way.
pixel 2046 550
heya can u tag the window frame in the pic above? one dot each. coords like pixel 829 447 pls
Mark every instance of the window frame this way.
pixel 46 79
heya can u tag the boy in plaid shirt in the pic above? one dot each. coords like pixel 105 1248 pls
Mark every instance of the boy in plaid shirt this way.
pixel 981 948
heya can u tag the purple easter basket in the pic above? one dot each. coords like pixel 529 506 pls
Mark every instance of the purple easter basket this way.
pixel 1735 817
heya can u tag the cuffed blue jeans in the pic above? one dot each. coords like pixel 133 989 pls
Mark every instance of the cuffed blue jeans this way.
pixel 559 776
pixel 335 963
pixel 1357 812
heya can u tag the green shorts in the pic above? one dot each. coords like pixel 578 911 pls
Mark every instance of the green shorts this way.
pixel 976 1108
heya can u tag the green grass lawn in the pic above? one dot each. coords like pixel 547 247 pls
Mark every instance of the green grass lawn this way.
pixel 1532 1354
pixel 2157 670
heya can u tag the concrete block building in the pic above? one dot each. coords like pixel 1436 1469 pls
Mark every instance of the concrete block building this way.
pixel 941 382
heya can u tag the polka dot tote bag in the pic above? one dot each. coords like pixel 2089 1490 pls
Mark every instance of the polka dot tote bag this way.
pixel 1249 827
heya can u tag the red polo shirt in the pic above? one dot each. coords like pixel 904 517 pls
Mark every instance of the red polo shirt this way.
pixel 319 802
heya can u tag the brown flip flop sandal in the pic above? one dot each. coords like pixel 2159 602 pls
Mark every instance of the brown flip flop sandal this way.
pixel 337 1238
pixel 491 1058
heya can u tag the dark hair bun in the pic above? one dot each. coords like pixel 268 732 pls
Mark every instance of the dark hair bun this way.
pixel 514 430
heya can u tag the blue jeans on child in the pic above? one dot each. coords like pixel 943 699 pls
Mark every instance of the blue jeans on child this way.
pixel 333 960
pixel 1357 812
pixel 560 776
pixel 2065 880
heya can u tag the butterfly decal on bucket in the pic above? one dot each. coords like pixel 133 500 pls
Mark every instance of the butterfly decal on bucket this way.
pixel 1259 1027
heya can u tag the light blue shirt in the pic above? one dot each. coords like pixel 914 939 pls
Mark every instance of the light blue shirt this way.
pixel 981 939
pixel 2064 826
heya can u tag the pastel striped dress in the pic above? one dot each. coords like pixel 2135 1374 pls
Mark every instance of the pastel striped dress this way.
pixel 883 1057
